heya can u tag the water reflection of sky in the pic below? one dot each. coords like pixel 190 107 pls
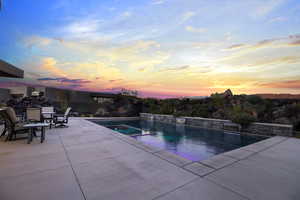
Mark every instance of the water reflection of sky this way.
pixel 189 142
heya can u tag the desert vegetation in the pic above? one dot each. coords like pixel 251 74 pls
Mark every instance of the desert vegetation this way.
pixel 242 109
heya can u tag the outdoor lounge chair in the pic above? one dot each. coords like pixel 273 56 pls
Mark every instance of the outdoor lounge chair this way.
pixel 62 120
pixel 12 123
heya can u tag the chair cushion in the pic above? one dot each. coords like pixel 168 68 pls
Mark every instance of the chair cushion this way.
pixel 12 115
pixel 60 118
pixel 33 114
pixel 47 116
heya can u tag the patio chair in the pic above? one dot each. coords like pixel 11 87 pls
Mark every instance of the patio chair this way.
pixel 2 123
pixel 12 123
pixel 34 115
pixel 48 114
pixel 62 120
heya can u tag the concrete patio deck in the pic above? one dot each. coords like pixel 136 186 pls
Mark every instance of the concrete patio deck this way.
pixel 87 161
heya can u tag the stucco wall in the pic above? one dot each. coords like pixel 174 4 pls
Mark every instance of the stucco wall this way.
pixel 4 95
pixel 267 129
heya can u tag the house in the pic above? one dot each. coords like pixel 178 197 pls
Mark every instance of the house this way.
pixel 10 71
pixel 81 101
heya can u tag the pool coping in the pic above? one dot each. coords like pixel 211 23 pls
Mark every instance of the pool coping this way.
pixel 204 167
pixel 109 118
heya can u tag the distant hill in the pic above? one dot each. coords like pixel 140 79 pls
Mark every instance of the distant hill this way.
pixel 279 96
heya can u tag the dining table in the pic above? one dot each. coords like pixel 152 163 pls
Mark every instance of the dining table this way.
pixel 33 127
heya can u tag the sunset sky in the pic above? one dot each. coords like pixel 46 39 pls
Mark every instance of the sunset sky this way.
pixel 162 48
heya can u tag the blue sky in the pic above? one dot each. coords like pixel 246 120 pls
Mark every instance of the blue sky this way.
pixel 159 47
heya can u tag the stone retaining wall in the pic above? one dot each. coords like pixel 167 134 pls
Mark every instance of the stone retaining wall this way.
pixel 266 129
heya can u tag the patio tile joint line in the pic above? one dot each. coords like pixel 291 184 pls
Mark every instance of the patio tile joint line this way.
pixel 76 178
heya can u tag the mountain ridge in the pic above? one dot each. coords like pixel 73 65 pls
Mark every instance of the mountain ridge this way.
pixel 278 96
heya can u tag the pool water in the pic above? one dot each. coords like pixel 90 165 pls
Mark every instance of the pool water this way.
pixel 189 142
pixel 127 130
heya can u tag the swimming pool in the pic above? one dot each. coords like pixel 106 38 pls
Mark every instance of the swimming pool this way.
pixel 189 142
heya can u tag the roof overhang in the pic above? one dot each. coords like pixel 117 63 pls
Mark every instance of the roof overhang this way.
pixel 8 70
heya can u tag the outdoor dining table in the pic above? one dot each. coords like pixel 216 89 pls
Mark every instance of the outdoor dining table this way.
pixel 32 127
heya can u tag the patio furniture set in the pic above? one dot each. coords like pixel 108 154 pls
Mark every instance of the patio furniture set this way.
pixel 33 120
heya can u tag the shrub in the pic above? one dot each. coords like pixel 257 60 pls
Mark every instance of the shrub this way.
pixel 199 110
pixel 217 100
pixel 242 118
pixel 253 99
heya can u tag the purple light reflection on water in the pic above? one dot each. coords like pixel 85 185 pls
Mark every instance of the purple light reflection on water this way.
pixel 193 152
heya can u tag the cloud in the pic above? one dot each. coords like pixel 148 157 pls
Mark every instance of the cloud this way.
pixel 228 36
pixel 276 61
pixel 278 19
pixel 127 14
pixel 294 43
pixel 263 8
pixel 49 64
pixel 142 69
pixel 264 43
pixel 186 71
pixel 137 54
pixel 29 42
pixel 195 30
pixel 289 41
pixel 79 73
pixel 32 75
pixel 12 82
pixel 65 80
pixel 236 46
pixel 75 86
pixel 115 80
pixel 290 84
pixel 83 29
pixel 245 63
pixel 92 70
pixel 158 2
pixel 187 15
pixel 48 79
pixel 168 69
pixel 83 26
pixel 87 29
pixel 296 36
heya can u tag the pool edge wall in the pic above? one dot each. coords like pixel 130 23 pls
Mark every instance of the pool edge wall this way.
pixel 265 129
